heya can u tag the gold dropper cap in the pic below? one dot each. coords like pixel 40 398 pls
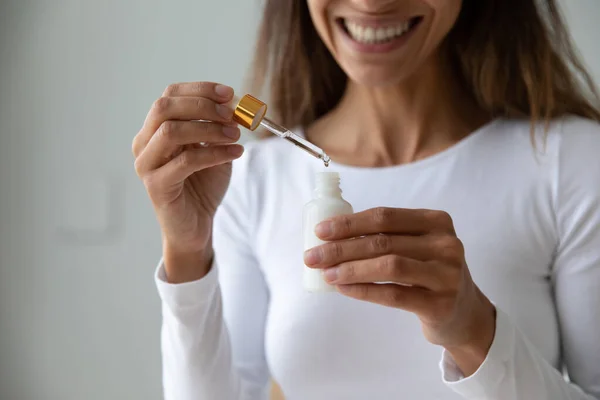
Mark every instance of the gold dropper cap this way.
pixel 249 112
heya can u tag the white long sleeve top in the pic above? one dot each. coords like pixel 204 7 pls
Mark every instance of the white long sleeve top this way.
pixel 530 223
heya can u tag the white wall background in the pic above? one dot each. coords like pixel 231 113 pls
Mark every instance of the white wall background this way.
pixel 79 317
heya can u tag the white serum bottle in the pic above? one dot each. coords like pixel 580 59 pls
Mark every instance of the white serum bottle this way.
pixel 327 202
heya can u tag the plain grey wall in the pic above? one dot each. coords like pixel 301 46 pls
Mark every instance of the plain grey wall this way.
pixel 79 317
pixel 79 314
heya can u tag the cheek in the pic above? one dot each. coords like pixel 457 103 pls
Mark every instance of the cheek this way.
pixel 318 14
pixel 443 17
pixel 445 14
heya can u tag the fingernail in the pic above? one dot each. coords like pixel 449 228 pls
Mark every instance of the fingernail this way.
pixel 223 91
pixel 312 256
pixel 331 274
pixel 231 132
pixel 224 111
pixel 324 229
pixel 235 150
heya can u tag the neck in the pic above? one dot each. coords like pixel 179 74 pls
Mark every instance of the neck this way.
pixel 375 126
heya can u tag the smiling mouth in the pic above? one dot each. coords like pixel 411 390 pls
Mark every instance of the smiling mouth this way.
pixel 380 34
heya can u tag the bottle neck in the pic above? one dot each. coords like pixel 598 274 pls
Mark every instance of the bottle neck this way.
pixel 327 186
pixel 325 192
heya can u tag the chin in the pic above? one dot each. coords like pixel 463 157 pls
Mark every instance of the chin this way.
pixel 378 76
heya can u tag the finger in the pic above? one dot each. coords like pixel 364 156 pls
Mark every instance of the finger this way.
pixel 210 90
pixel 193 160
pixel 334 253
pixel 186 109
pixel 173 134
pixel 392 268
pixel 408 298
pixel 180 108
pixel 385 220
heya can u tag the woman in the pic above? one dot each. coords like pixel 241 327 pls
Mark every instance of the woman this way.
pixel 471 149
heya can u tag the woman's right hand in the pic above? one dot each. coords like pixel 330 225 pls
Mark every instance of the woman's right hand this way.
pixel 186 180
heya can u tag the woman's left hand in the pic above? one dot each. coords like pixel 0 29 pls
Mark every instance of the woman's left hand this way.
pixel 412 260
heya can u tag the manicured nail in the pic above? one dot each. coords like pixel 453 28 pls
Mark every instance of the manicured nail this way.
pixel 331 274
pixel 224 111
pixel 231 132
pixel 324 229
pixel 312 256
pixel 235 150
pixel 223 91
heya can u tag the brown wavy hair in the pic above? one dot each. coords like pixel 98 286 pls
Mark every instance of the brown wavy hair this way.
pixel 515 57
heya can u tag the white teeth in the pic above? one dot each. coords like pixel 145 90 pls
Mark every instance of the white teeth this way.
pixel 367 34
pixel 360 32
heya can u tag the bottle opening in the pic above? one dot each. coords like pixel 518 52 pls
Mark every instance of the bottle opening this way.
pixel 328 177
pixel 327 183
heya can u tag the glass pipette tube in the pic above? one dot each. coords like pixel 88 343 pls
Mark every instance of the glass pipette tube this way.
pixel 250 113
pixel 295 139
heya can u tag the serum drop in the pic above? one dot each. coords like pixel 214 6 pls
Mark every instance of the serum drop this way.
pixel 327 202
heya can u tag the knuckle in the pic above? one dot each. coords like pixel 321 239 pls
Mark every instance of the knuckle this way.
pixel 450 248
pixel 444 242
pixel 438 218
pixel 390 265
pixel 381 215
pixel 138 167
pixel 136 146
pixel 334 251
pixel 168 130
pixel 206 128
pixel 161 105
pixel 344 224
pixel 186 159
pixel 362 292
pixel 210 130
pixel 171 90
pixel 437 275
pixel 380 244
pixel 201 103
pixel 394 296
pixel 348 271
pixel 202 87
pixel 444 218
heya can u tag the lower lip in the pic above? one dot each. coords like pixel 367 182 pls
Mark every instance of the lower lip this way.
pixel 379 47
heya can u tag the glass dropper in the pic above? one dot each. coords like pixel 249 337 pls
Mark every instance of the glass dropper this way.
pixel 250 112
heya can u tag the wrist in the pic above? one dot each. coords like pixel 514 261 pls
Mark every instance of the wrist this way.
pixel 186 266
pixel 470 355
